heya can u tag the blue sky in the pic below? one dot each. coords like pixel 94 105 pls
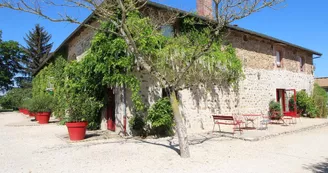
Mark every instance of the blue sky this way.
pixel 300 22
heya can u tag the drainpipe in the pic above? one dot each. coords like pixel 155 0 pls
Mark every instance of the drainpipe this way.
pixel 124 108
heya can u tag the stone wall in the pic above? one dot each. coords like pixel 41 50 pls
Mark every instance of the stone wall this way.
pixel 259 53
pixel 80 42
pixel 254 95
pixel 263 77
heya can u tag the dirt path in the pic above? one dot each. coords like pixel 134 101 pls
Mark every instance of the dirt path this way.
pixel 39 149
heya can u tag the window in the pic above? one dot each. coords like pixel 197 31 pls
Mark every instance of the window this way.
pixel 167 30
pixel 302 62
pixel 165 92
pixel 278 59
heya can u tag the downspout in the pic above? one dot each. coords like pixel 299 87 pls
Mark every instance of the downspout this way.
pixel 124 110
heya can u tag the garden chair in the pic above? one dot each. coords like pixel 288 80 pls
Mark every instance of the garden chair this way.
pixel 264 122
pixel 277 117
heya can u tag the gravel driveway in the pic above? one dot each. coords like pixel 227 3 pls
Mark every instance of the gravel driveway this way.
pixel 39 149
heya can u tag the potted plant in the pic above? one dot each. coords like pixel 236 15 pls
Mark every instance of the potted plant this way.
pixel 25 106
pixel 80 108
pixel 275 110
pixel 41 106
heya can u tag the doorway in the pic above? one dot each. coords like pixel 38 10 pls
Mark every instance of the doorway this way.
pixel 110 112
pixel 287 99
pixel 281 98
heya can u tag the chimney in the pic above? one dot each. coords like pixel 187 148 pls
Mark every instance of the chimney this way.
pixel 205 8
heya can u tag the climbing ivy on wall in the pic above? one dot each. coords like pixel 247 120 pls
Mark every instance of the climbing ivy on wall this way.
pixel 106 64
pixel 109 63
pixel 52 76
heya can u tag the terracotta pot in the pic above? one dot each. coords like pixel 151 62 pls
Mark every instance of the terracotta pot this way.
pixel 76 130
pixel 43 117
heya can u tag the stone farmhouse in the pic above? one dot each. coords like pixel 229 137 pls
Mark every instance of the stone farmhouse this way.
pixel 270 65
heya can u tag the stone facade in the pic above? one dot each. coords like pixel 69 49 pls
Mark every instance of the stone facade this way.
pixel 262 74
pixel 81 41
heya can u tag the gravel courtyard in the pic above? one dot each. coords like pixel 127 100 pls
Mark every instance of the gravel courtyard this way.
pixel 34 149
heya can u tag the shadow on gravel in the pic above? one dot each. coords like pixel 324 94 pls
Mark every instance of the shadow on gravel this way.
pixel 174 147
pixel 91 135
pixel 321 167
pixel 6 110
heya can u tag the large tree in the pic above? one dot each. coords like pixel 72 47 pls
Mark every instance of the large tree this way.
pixel 194 60
pixel 38 46
pixel 12 61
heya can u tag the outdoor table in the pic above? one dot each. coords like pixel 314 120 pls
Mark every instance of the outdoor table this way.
pixel 250 118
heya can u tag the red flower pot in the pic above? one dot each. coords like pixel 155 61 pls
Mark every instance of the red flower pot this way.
pixel 43 117
pixel 31 114
pixel 76 130
pixel 36 117
pixel 24 111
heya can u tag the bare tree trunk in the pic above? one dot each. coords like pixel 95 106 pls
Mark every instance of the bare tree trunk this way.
pixel 180 127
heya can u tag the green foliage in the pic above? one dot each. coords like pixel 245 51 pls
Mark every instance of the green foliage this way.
pixel 40 103
pixel 14 98
pixel 82 107
pixel 113 65
pixel 190 58
pixel 110 62
pixel 52 76
pixel 27 104
pixel 105 64
pixel 311 109
pixel 302 100
pixel 137 124
pixel 291 103
pixel 315 105
pixel 274 106
pixel 306 104
pixel 38 47
pixel 275 109
pixel 160 116
pixel 12 61
pixel 320 100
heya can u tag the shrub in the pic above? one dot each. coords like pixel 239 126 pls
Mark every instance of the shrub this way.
pixel 320 99
pixel 137 125
pixel 41 103
pixel 160 116
pixel 311 109
pixel 6 102
pixel 274 106
pixel 15 97
pixel 27 104
pixel 314 105
pixel 81 107
pixel 302 100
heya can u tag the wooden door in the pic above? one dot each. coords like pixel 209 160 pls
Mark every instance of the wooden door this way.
pixel 111 110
